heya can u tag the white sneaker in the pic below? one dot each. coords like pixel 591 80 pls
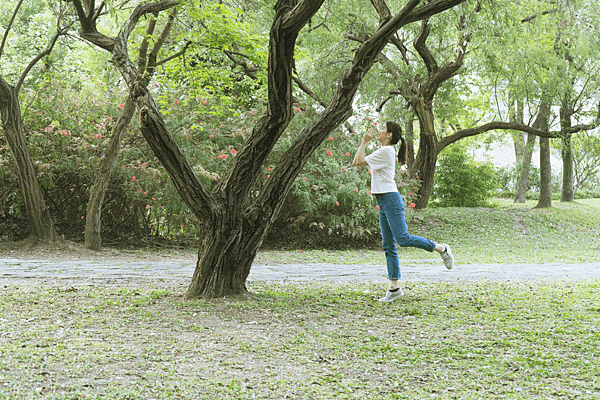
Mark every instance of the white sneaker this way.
pixel 391 296
pixel 447 257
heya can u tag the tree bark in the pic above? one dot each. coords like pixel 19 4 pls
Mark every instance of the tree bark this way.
pixel 40 221
pixel 93 237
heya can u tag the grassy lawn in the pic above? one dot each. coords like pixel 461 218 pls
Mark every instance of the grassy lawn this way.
pixel 140 339
pixel 482 340
pixel 506 233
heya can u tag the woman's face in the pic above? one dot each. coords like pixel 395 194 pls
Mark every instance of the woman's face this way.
pixel 384 136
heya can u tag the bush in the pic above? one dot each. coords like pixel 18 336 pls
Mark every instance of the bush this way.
pixel 460 181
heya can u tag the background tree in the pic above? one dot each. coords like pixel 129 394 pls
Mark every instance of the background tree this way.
pixel 41 222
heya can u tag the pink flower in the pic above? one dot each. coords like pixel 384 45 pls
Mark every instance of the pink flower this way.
pixel 343 169
pixel 269 169
pixel 301 251
pixel 144 193
pixel 347 154
pixel 206 103
pixel 153 198
pixel 298 110
pixel 143 164
pixel 412 205
pixel 122 166
pixel 330 137
pixel 121 106
pixel 369 172
pixel 101 84
pixel 47 129
pixel 369 192
pixel 233 151
pixel 410 193
pixel 268 176
pixel 377 207
pixel 212 136
pixel 367 110
pixel 147 206
pixel 98 136
pixel 155 84
pixel 176 102
pixel 140 191
pixel 133 178
pixel 375 123
pixel 329 153
pixel 355 190
pixel 305 179
pixel 337 203
pixel 223 156
pixel 109 119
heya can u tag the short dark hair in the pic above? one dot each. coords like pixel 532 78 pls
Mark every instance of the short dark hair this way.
pixel 396 131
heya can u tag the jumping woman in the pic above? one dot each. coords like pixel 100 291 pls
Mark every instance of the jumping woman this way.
pixel 391 205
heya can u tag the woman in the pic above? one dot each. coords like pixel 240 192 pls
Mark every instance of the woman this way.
pixel 391 205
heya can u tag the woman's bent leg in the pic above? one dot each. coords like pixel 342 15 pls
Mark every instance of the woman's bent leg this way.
pixel 392 206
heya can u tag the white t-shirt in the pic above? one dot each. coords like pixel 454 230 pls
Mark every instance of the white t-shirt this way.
pixel 383 168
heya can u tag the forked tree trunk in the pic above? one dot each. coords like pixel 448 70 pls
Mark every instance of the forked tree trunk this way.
pixel 41 223
pixel 93 237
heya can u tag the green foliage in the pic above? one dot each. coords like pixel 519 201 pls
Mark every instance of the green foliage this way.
pixel 461 181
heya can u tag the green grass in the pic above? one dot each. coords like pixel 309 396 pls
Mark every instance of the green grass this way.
pixel 478 340
pixel 505 233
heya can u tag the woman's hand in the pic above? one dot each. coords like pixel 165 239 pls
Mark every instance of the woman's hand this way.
pixel 369 135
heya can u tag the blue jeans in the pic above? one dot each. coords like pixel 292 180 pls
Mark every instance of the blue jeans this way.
pixel 394 231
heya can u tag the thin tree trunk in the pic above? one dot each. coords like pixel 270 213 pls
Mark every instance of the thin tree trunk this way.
pixel 541 123
pixel 524 168
pixel 409 134
pixel 545 200
pixel 40 221
pixel 568 186
pixel 93 237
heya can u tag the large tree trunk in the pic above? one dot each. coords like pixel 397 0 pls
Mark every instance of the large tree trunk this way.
pixel 541 123
pixel 40 221
pixel 93 237
pixel 409 134
pixel 425 163
pixel 524 168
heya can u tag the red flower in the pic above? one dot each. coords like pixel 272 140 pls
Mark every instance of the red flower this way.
pixel 298 110
pixel 377 207
pixel 140 191
pixel 176 102
pixel 121 106
pixel 330 137
pixel 212 136
pixel 98 136
pixel 347 154
pixel 147 206
pixel 143 164
pixel 410 193
pixel 355 190
pixel 369 192
pixel 206 103
pixel 133 178
pixel 233 151
pixel 47 129
pixel 223 156
pixel 329 153
pixel 337 203
pixel 343 169
pixel 305 179
pixel 269 169
pixel 412 205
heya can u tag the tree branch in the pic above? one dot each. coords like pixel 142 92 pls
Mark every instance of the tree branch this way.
pixel 12 19
pixel 422 49
pixel 533 16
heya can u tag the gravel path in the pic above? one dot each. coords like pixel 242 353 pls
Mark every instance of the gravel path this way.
pixel 412 270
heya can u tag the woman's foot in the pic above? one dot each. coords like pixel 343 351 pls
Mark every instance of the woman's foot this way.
pixel 447 256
